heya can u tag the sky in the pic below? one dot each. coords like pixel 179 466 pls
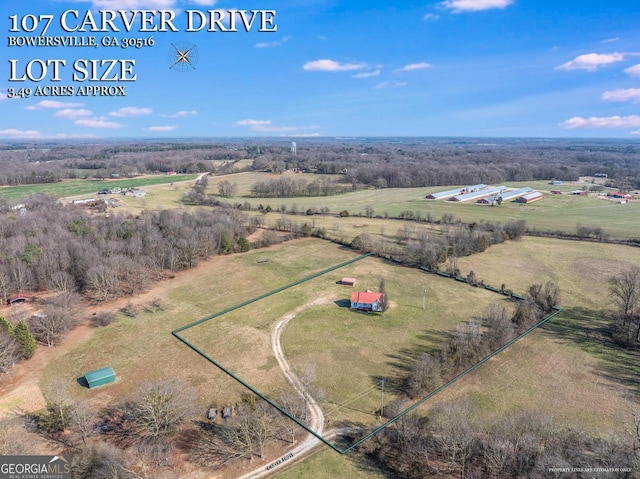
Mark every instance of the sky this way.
pixel 473 68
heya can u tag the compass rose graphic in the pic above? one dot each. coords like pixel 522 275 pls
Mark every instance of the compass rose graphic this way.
pixel 183 56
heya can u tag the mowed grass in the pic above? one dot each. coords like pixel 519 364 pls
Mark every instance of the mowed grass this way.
pixel 71 188
pixel 349 351
pixel 352 352
pixel 142 348
pixel 569 369
pixel 327 464
pixel 554 212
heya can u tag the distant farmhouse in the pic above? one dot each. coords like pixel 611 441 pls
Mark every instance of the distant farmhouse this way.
pixel 366 301
pixel 619 195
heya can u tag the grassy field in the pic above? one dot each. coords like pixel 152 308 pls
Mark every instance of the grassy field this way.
pixel 574 372
pixel 72 188
pixel 326 464
pixel 567 369
pixel 554 212
pixel 325 333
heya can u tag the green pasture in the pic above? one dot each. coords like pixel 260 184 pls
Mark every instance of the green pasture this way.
pixel 246 180
pixel 326 464
pixel 554 212
pixel 70 188
pixel 570 369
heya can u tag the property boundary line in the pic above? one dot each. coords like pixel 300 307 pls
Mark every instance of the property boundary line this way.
pixel 556 311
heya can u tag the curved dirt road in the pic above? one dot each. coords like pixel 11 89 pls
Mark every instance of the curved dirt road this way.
pixel 316 417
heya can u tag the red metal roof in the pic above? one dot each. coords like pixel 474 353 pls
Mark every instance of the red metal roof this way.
pixel 365 297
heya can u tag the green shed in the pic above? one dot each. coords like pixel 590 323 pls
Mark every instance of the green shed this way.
pixel 99 377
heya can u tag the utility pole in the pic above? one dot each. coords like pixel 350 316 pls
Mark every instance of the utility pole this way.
pixel 382 400
pixel 424 297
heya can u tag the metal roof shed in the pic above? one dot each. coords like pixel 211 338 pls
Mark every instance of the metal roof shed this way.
pixel 100 377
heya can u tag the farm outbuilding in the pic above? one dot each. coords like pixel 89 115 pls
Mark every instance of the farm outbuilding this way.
pixel 348 281
pixel 458 191
pixel 366 301
pixel 18 298
pixel 530 198
pixel 507 195
pixel 99 377
pixel 212 413
pixel 619 195
pixel 473 195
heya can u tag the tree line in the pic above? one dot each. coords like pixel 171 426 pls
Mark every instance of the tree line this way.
pixel 382 163
pixel 290 188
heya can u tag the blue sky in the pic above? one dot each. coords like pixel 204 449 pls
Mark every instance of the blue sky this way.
pixel 486 68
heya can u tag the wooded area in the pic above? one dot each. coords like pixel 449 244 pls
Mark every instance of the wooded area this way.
pixel 381 163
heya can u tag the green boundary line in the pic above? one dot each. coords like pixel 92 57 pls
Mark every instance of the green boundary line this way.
pixel 176 332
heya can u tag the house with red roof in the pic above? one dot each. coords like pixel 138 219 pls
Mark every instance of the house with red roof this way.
pixel 619 195
pixel 366 301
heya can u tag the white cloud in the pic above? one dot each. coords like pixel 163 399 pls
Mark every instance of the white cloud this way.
pixel 431 16
pixel 131 111
pixel 610 40
pixel 592 61
pixel 460 6
pixel 415 66
pixel 305 135
pixel 67 136
pixel 275 43
pixel 332 66
pixel 253 122
pixel 71 114
pixel 52 104
pixel 622 94
pixel 179 114
pixel 631 121
pixel 636 132
pixel 633 71
pixel 12 132
pixel 265 126
pixel 161 128
pixel 99 122
pixel 374 73
pixel 391 84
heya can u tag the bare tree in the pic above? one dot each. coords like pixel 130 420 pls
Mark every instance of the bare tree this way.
pixel 425 376
pixel 296 405
pixel 82 418
pixel 624 288
pixel 158 407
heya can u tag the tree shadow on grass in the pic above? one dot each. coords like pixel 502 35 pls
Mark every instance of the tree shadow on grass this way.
pixel 589 329
pixel 430 342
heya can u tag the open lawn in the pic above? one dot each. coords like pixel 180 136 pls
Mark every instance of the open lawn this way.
pixel 554 212
pixel 569 369
pixel 71 188
pixel 349 351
